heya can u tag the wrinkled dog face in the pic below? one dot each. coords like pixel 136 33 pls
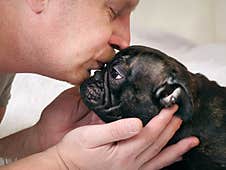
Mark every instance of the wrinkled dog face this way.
pixel 138 82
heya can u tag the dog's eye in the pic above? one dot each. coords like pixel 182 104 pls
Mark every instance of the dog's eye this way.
pixel 115 74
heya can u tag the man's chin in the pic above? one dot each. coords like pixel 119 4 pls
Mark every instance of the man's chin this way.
pixel 78 79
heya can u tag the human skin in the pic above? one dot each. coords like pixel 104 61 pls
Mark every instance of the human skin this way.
pixel 122 144
pixel 64 39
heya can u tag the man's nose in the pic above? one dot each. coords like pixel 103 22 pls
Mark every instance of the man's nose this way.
pixel 120 37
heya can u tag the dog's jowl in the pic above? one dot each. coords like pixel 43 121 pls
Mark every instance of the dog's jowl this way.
pixel 140 81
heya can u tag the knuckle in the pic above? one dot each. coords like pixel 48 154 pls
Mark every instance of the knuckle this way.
pixel 116 131
pixel 82 138
pixel 182 147
pixel 126 162
pixel 150 139
pixel 156 149
pixel 185 148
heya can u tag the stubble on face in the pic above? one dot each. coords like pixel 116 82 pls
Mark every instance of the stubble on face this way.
pixel 77 34
pixel 104 53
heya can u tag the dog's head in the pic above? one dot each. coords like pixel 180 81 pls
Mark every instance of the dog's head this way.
pixel 138 82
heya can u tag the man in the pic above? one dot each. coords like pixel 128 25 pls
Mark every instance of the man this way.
pixel 65 39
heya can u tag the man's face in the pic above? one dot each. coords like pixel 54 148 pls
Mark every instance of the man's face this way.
pixel 71 37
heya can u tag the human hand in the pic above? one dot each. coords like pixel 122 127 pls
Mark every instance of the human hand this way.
pixel 65 113
pixel 124 144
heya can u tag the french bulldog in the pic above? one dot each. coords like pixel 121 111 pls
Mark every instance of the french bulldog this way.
pixel 140 81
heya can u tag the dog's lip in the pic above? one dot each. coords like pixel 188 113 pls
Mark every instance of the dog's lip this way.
pixel 108 105
pixel 109 110
pixel 99 65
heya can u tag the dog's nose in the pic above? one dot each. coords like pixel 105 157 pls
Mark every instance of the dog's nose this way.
pixel 98 75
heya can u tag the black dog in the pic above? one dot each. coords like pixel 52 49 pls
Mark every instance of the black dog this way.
pixel 140 81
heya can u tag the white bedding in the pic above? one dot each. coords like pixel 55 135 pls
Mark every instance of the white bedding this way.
pixel 31 93
pixel 208 59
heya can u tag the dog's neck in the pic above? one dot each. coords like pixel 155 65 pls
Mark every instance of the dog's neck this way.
pixel 207 95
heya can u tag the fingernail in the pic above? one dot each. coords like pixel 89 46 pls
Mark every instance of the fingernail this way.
pixel 195 142
pixel 134 126
pixel 171 110
pixel 174 107
pixel 178 120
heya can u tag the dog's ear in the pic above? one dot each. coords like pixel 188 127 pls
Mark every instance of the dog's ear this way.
pixel 175 91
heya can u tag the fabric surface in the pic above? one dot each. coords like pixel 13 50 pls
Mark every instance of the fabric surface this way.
pixel 5 87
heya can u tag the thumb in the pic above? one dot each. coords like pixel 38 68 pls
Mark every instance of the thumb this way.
pixel 103 134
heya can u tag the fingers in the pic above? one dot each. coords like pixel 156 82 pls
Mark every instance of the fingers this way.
pixel 160 142
pixel 90 119
pixel 72 90
pixel 171 154
pixel 150 132
pixel 97 135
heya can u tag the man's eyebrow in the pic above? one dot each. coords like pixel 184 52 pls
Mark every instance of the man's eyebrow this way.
pixel 127 5
pixel 131 5
pixel 134 5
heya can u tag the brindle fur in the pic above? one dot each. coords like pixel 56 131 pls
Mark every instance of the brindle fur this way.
pixel 202 103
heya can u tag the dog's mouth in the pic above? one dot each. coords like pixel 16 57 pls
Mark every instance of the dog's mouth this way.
pixel 97 95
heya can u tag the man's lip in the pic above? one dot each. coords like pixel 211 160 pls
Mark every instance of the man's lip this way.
pixel 116 47
pixel 101 65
